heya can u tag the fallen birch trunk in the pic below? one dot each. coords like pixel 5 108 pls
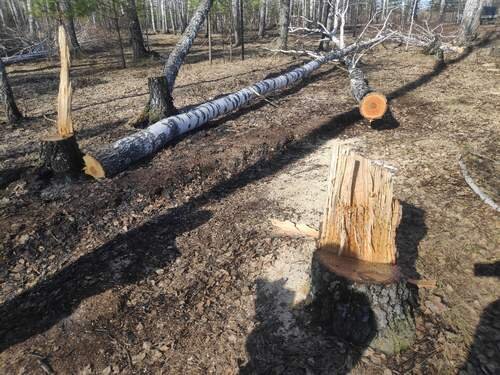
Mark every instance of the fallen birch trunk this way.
pixel 372 104
pixel 118 156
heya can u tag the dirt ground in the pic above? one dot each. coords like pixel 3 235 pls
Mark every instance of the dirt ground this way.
pixel 172 266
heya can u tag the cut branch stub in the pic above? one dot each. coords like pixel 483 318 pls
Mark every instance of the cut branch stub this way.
pixel 373 106
pixel 361 215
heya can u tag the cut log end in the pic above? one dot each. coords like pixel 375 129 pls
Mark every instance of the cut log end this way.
pixel 373 106
pixel 93 168
pixel 365 304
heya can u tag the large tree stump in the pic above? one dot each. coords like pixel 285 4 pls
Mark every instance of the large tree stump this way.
pixel 61 154
pixel 357 290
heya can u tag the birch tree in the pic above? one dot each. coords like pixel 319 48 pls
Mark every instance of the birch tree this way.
pixel 470 20
pixel 284 24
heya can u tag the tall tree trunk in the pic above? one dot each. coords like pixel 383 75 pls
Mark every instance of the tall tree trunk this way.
pixel 116 23
pixel 177 56
pixel 151 7
pixel 69 24
pixel 236 22
pixel 138 49
pixel 242 31
pixel 442 7
pixel 324 44
pixel 262 18
pixel 12 113
pixel 31 21
pixel 470 20
pixel 284 23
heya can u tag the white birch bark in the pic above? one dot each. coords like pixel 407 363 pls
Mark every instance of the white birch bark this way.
pixel 126 151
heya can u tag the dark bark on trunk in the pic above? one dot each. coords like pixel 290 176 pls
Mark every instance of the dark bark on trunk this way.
pixel 69 24
pixel 160 100
pixel 262 18
pixel 116 23
pixel 12 113
pixel 442 7
pixel 284 23
pixel 177 56
pixel 325 44
pixel 242 31
pixel 61 155
pixel 364 309
pixel 138 49
pixel 236 17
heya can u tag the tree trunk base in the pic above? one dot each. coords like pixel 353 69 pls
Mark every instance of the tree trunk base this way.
pixel 61 155
pixel 367 304
pixel 160 104
pixel 373 106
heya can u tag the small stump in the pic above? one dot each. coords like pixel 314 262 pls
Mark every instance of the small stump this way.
pixel 364 303
pixel 61 154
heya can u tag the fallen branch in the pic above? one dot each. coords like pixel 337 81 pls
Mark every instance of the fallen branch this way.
pixel 476 189
pixel 118 156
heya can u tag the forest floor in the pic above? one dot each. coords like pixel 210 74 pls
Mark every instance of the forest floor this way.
pixel 172 266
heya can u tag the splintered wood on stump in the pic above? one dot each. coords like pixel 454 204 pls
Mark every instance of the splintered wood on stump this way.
pixel 60 152
pixel 358 292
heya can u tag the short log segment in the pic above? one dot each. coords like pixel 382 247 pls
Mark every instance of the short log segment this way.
pixel 372 104
pixel 61 155
pixel 118 156
pixel 358 292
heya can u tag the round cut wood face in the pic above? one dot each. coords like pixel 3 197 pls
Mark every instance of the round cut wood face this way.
pixel 373 106
pixel 358 270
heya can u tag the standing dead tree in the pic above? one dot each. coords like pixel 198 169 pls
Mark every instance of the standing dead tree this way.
pixel 12 113
pixel 60 152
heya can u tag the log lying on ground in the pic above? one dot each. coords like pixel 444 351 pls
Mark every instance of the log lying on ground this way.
pixel 116 157
pixel 372 104
pixel 357 290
